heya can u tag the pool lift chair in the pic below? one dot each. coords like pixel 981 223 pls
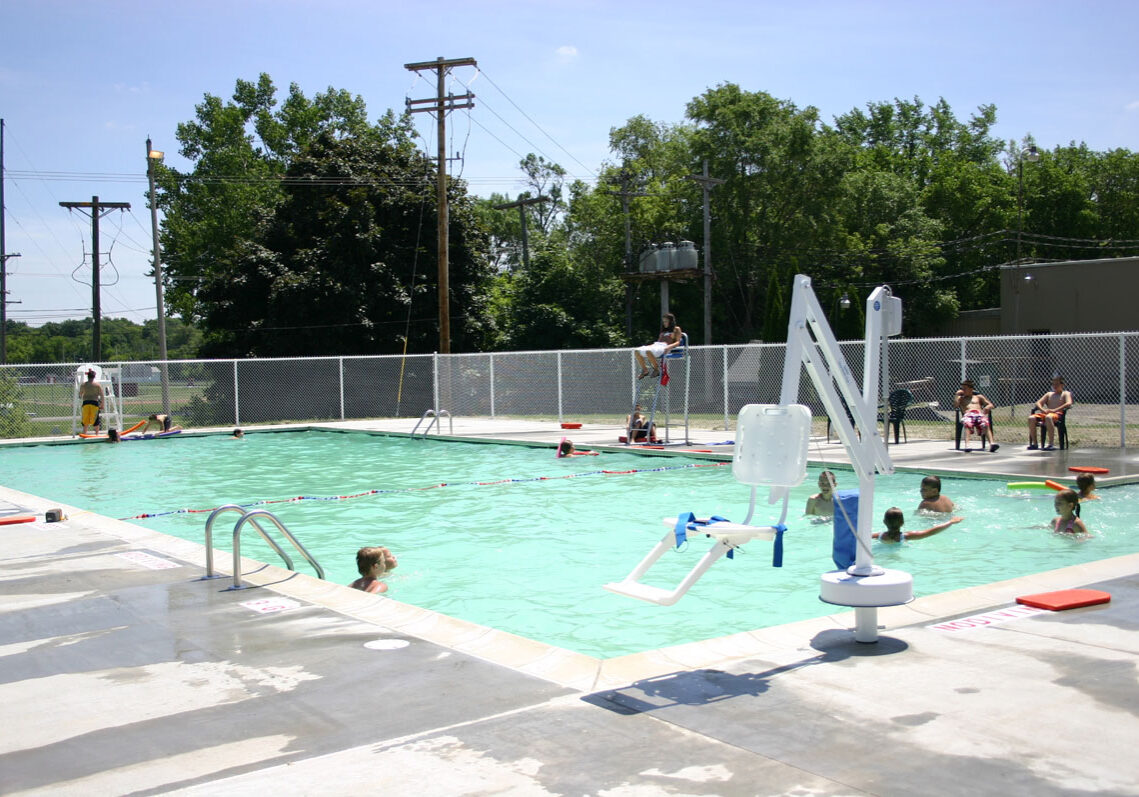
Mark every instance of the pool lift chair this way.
pixel 781 433
pixel 650 395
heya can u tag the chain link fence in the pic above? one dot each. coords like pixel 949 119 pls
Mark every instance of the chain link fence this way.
pixel 600 386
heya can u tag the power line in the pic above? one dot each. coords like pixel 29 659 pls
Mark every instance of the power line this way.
pixel 540 129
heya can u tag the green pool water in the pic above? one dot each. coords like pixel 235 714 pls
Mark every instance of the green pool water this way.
pixel 510 537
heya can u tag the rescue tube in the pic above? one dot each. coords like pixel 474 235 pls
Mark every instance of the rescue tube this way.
pixel 1054 485
pixel 571 425
pixel 1088 469
pixel 104 437
pixel 14 519
pixel 1028 486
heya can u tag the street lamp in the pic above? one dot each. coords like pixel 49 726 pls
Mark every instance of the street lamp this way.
pixel 153 156
pixel 1029 153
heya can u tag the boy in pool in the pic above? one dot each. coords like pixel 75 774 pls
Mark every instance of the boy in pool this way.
pixel 1067 505
pixel 1086 483
pixel 566 449
pixel 373 564
pixel 931 498
pixel 894 520
pixel 822 502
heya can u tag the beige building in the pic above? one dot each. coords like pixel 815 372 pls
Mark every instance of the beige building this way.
pixel 1070 296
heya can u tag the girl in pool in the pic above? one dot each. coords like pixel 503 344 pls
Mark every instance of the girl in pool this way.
pixel 1086 483
pixel 894 519
pixel 822 502
pixel 373 564
pixel 1067 504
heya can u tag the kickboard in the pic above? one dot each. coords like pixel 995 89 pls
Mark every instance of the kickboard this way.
pixel 1065 599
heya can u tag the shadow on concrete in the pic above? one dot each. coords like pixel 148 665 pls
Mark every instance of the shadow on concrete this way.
pixel 707 686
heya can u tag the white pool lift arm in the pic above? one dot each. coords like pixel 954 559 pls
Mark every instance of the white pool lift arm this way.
pixel 775 454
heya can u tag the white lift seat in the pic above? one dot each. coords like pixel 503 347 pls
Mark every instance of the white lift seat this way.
pixel 771 449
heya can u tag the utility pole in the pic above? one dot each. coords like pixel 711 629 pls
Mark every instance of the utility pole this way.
pixel 153 155
pixel 97 210
pixel 707 184
pixel 3 262
pixel 625 181
pixel 521 205
pixel 441 104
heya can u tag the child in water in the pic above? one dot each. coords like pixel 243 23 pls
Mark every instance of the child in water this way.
pixel 931 498
pixel 566 449
pixel 373 564
pixel 1067 505
pixel 822 502
pixel 1086 483
pixel 894 520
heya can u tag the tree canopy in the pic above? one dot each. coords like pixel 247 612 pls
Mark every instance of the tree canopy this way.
pixel 304 228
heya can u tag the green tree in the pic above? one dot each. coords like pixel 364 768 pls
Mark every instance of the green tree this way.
pixel 345 263
pixel 240 149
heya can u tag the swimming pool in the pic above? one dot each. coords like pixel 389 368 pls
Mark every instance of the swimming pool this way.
pixel 510 537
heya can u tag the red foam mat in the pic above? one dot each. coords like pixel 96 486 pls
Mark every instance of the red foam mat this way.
pixel 1065 599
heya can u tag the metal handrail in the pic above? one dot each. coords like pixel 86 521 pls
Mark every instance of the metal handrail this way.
pixel 435 416
pixel 209 539
pixel 248 517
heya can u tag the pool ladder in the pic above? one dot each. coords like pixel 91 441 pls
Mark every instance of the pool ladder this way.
pixel 251 518
pixel 434 415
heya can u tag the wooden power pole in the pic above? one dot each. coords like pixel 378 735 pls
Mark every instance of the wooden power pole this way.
pixel 707 184
pixel 626 180
pixel 96 210
pixel 439 105
pixel 521 205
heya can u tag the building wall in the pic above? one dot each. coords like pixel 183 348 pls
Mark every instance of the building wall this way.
pixel 1072 296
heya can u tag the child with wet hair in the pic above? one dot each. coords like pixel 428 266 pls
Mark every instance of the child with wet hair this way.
pixel 894 520
pixel 822 502
pixel 1086 484
pixel 1067 505
pixel 373 563
pixel 931 498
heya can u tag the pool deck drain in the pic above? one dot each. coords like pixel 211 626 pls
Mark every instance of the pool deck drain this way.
pixel 127 674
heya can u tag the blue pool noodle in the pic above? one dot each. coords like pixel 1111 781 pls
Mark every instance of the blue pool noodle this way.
pixel 845 544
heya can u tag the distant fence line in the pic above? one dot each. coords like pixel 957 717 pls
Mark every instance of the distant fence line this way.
pixel 599 385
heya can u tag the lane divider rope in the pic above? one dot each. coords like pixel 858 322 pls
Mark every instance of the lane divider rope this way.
pixel 366 493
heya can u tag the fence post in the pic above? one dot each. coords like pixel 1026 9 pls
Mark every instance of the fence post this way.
pixel 341 388
pixel 1123 391
pixel 435 385
pixel 724 352
pixel 492 385
pixel 560 418
pixel 236 401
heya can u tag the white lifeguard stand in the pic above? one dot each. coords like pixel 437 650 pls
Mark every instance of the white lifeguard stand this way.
pixel 111 381
pixel 771 439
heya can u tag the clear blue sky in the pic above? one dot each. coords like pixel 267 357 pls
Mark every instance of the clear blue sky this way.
pixel 83 83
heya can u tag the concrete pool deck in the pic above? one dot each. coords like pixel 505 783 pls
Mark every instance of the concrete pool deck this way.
pixel 122 672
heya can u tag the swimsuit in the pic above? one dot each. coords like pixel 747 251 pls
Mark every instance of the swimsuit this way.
pixel 89 412
pixel 1067 529
pixel 975 419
